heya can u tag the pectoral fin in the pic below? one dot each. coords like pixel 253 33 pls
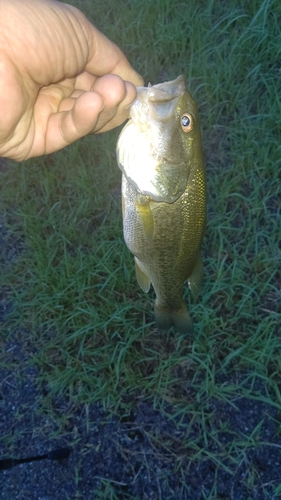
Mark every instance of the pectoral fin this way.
pixel 142 204
pixel 196 278
pixel 143 280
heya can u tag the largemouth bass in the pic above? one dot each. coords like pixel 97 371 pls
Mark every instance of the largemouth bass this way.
pixel 164 197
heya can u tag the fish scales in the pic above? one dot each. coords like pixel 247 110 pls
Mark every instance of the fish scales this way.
pixel 164 213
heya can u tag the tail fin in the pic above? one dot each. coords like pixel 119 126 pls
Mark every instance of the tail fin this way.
pixel 179 319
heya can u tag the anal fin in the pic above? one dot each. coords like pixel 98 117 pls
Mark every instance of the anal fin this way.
pixel 143 280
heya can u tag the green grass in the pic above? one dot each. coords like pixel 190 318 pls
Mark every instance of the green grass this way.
pixel 73 286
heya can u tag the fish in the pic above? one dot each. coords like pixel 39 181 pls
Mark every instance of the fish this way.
pixel 159 152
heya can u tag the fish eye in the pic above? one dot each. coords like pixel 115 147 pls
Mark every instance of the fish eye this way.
pixel 187 122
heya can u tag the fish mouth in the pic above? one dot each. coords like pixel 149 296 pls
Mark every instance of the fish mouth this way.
pixel 164 91
pixel 159 100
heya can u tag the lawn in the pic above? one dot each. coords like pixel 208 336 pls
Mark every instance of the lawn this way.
pixel 151 415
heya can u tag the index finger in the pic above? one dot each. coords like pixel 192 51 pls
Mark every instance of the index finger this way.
pixel 106 57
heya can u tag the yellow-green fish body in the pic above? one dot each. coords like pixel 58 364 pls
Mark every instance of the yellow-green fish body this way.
pixel 164 196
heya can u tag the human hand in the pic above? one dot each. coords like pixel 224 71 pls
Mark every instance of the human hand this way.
pixel 60 78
